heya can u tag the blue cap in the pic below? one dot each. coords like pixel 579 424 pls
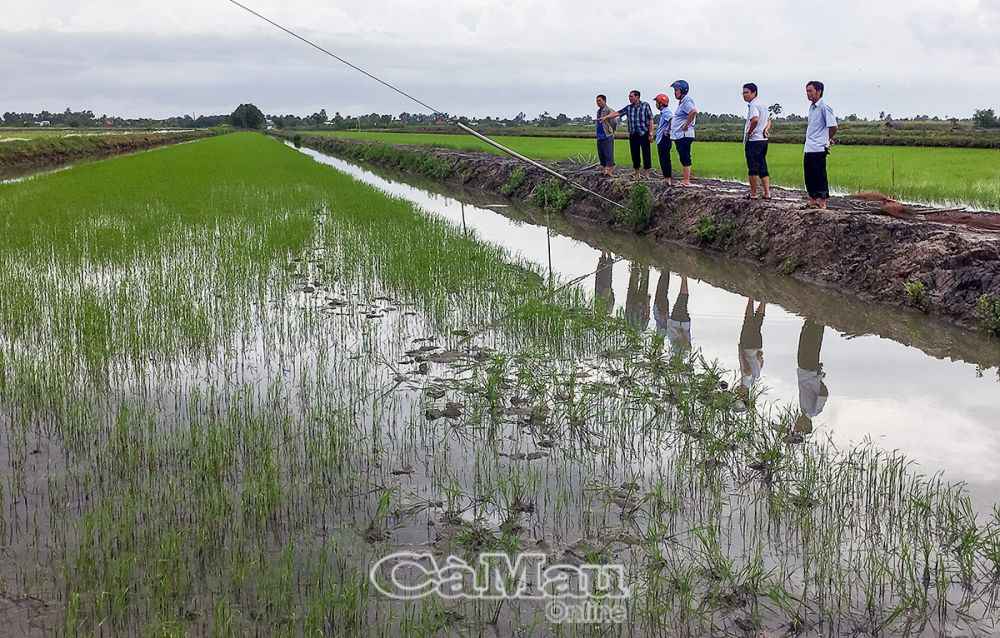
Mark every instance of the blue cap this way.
pixel 680 84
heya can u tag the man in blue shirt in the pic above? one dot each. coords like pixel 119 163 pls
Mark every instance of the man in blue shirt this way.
pixel 820 130
pixel 663 142
pixel 640 130
pixel 605 137
pixel 682 127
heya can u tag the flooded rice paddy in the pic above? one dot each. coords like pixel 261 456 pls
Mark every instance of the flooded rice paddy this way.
pixel 233 379
pixel 933 392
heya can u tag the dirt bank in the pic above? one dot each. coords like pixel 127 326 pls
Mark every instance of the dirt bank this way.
pixel 28 156
pixel 851 247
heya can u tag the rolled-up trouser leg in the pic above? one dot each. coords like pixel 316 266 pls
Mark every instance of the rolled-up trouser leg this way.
pixel 683 145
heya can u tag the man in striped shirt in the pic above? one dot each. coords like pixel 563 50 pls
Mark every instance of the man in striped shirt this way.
pixel 639 117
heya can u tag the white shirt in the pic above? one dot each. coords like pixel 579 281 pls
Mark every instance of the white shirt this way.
pixel 756 109
pixel 812 392
pixel 821 119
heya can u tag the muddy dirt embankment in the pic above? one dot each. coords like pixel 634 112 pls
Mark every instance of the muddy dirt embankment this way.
pixel 23 157
pixel 849 247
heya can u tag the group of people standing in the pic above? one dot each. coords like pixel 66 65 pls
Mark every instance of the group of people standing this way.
pixel 677 129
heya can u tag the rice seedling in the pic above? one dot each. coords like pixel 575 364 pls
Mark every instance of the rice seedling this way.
pixel 233 379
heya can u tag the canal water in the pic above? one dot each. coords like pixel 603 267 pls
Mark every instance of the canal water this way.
pixel 854 370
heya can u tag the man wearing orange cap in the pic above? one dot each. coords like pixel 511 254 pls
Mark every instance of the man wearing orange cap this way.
pixel 663 143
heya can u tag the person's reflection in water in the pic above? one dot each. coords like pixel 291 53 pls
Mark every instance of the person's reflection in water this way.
pixel 751 347
pixel 604 294
pixel 812 390
pixel 661 305
pixel 637 297
pixel 678 324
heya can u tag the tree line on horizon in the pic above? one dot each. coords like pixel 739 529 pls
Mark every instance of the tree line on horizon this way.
pixel 250 116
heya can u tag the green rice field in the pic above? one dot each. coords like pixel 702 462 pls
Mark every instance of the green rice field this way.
pixel 925 175
pixel 233 378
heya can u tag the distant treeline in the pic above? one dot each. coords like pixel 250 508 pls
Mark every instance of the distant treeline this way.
pixel 87 119
pixel 981 130
pixel 982 118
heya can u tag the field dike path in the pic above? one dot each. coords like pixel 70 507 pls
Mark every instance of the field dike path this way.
pixel 855 246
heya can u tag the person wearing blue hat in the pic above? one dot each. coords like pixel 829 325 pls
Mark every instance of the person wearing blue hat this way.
pixel 682 127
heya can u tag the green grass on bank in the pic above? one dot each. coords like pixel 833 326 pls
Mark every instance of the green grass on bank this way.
pixel 30 134
pixel 21 155
pixel 970 176
pixel 45 131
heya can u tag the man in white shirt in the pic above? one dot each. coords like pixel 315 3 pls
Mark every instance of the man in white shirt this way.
pixel 820 130
pixel 755 142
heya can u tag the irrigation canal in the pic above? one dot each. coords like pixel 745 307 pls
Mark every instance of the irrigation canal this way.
pixel 933 395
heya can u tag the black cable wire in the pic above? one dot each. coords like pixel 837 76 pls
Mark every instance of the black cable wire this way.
pixel 336 57
pixel 428 106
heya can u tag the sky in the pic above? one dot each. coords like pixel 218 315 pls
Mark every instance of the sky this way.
pixel 138 58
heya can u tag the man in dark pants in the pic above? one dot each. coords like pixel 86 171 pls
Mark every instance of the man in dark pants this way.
pixel 640 131
pixel 755 142
pixel 682 127
pixel 820 130
pixel 663 143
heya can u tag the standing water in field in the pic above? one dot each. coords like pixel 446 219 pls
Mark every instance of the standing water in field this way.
pixel 233 380
pixel 813 350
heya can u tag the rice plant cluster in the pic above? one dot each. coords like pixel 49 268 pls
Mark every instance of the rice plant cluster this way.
pixel 231 379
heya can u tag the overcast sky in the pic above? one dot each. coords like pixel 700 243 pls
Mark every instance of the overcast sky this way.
pixel 496 57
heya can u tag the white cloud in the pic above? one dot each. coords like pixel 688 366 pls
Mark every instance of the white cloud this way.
pixel 494 57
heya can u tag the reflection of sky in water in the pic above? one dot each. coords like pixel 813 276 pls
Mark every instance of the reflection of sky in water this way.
pixel 935 411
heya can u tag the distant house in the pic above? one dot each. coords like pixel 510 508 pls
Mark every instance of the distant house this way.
pixel 439 121
pixel 270 124
pixel 43 123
